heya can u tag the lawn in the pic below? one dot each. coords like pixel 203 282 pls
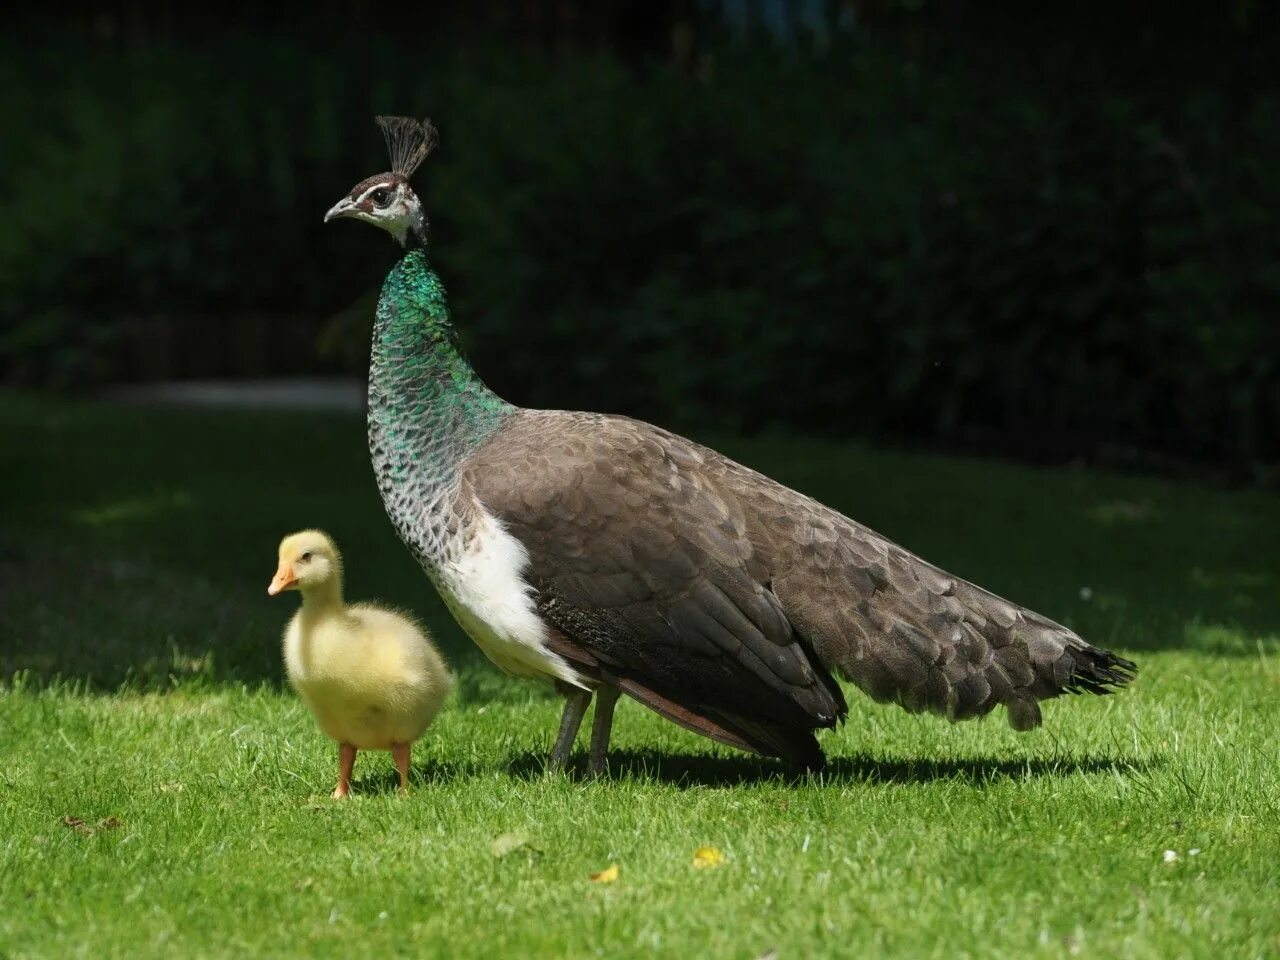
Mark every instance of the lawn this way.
pixel 142 699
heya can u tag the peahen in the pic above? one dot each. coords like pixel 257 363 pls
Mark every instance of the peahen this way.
pixel 611 556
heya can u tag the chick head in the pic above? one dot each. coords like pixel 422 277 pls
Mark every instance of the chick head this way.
pixel 308 559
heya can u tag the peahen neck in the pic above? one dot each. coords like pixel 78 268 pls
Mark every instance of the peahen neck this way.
pixel 427 408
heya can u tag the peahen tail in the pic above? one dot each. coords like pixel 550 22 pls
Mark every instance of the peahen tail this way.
pixel 929 641
pixel 1061 662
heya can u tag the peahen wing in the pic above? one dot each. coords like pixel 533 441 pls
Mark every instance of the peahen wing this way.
pixel 645 566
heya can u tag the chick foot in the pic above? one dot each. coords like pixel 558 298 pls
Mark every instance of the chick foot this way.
pixel 346 760
pixel 400 751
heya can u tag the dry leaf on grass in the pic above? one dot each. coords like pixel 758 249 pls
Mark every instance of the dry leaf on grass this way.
pixel 705 857
pixel 77 824
pixel 608 875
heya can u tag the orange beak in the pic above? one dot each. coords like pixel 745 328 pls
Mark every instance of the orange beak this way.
pixel 283 579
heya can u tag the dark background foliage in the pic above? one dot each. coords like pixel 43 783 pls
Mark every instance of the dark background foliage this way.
pixel 1047 233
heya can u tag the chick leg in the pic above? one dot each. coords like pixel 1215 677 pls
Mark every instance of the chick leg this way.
pixel 401 753
pixel 601 726
pixel 576 702
pixel 346 760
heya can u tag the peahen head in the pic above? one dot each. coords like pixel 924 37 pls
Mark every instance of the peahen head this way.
pixel 386 200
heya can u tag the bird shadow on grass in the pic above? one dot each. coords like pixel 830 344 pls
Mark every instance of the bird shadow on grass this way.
pixel 421 775
pixel 707 770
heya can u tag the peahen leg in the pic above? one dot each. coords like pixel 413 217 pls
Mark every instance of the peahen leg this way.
pixel 601 726
pixel 576 702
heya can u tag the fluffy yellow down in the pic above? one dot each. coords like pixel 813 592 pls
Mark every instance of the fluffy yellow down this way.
pixel 370 675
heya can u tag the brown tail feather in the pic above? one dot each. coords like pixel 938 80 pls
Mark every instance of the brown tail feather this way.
pixel 1062 663
pixel 961 653
pixel 1099 671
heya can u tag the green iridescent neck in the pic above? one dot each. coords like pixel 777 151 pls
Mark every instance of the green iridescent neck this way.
pixel 427 407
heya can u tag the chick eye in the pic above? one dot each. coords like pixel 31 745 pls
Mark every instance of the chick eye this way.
pixel 305 557
pixel 381 197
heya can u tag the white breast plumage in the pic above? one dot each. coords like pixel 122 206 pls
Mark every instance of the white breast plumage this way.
pixel 484 587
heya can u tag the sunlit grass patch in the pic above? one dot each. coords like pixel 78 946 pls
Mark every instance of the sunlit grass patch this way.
pixel 168 797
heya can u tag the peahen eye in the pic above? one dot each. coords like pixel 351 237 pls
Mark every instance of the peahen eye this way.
pixel 381 197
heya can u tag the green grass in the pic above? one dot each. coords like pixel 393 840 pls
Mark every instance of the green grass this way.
pixel 135 549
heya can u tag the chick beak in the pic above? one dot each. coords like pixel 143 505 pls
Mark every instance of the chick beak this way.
pixel 343 208
pixel 283 579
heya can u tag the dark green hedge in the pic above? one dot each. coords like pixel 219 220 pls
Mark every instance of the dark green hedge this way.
pixel 871 243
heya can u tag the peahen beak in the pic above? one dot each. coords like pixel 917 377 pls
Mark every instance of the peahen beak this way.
pixel 343 208
pixel 283 579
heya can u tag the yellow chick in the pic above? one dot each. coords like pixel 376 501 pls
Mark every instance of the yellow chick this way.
pixel 371 676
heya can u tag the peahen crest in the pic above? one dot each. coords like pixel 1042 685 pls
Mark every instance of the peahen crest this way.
pixel 408 142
